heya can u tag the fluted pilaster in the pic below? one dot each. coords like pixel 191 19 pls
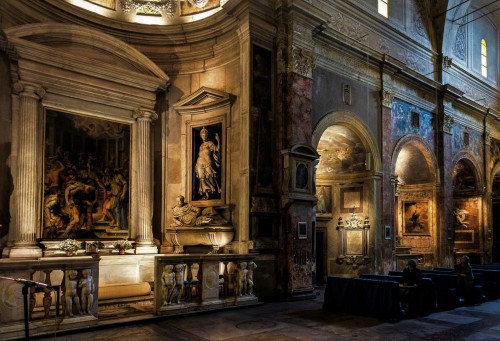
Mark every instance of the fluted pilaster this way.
pixel 144 228
pixel 26 186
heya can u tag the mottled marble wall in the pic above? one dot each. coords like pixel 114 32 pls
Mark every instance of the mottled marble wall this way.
pixel 402 122
pixel 474 145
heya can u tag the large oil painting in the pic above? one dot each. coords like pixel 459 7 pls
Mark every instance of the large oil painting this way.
pixel 416 217
pixel 86 177
pixel 466 223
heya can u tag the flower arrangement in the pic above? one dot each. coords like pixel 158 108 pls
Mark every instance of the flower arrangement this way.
pixel 69 245
pixel 122 244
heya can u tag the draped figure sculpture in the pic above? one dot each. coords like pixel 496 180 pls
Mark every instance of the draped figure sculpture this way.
pixel 206 164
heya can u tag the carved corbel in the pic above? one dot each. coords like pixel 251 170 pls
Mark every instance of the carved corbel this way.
pixel 387 98
pixel 302 62
pixel 447 125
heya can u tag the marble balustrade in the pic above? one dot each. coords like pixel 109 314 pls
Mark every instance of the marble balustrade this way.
pixel 65 293
pixel 203 282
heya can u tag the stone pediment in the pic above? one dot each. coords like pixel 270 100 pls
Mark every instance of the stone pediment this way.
pixel 203 100
pixel 81 49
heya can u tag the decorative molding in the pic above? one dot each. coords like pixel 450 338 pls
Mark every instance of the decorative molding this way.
pixel 150 7
pixel 387 98
pixel 302 62
pixel 460 47
pixel 8 47
pixel 348 27
pixel 447 62
pixel 203 100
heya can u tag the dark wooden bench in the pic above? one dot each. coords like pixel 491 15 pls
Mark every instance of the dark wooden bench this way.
pixel 446 288
pixel 426 297
pixel 478 290
pixel 361 296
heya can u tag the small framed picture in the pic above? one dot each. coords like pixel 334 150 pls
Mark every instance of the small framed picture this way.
pixel 302 229
pixel 387 232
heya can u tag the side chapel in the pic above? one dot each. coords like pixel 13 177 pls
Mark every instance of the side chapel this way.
pixel 198 151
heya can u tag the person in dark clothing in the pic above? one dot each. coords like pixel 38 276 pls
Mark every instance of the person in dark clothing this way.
pixel 465 279
pixel 409 289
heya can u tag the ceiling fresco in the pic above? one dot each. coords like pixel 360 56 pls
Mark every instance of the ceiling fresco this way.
pixel 341 151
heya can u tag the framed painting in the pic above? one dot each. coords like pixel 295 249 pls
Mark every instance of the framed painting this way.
pixel 351 199
pixel 324 196
pixel 86 177
pixel 416 217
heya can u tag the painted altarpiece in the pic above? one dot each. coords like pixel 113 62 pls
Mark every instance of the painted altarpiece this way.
pixel 86 177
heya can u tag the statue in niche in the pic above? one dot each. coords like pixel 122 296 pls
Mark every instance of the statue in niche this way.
pixel 186 214
pixel 168 283
pixel 86 285
pixel 206 164
pixel 71 293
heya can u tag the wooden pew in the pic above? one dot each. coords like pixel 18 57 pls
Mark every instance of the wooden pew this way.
pixel 360 296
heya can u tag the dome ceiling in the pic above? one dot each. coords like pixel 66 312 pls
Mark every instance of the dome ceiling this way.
pixel 152 12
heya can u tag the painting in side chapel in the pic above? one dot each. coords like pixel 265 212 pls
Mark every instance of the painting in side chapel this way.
pixel 416 217
pixel 86 177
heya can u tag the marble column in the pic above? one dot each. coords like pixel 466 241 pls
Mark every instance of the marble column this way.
pixel 388 180
pixel 26 180
pixel 144 190
pixel 445 194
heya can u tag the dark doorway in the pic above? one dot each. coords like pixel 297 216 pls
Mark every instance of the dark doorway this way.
pixel 320 257
pixel 496 232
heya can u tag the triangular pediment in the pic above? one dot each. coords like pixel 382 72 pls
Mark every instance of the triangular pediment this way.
pixel 202 100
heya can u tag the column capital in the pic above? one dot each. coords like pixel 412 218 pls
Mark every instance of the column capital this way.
pixel 28 90
pixel 447 124
pixel 302 62
pixel 387 98
pixel 144 114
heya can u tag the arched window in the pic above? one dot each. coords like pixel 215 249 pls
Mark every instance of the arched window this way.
pixel 383 7
pixel 484 58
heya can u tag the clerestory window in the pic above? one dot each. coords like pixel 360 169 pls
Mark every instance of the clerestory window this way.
pixel 484 58
pixel 383 7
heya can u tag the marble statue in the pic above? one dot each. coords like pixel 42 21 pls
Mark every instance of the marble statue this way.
pixel 206 164
pixel 241 279
pixel 250 283
pixel 168 283
pixel 186 214
pixel 179 283
pixel 71 292
pixel 86 285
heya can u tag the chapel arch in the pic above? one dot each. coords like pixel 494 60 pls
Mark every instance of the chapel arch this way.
pixel 414 172
pixel 468 194
pixel 347 184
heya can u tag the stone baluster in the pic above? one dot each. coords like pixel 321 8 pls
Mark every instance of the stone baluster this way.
pixel 47 294
pixel 225 285
pixel 144 228
pixel 26 181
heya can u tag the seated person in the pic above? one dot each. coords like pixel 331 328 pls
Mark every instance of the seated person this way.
pixel 465 279
pixel 410 293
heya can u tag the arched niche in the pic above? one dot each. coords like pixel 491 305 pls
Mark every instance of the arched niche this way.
pixel 85 75
pixel 347 185
pixel 467 205
pixel 414 169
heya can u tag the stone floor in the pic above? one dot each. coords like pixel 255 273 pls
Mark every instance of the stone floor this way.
pixel 301 320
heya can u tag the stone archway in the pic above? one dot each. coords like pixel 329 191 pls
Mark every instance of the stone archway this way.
pixel 347 186
pixel 414 170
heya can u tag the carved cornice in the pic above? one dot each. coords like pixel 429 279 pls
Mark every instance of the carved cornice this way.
pixel 8 48
pixel 302 62
pixel 387 98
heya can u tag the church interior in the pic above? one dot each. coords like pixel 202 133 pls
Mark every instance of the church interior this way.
pixel 167 157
